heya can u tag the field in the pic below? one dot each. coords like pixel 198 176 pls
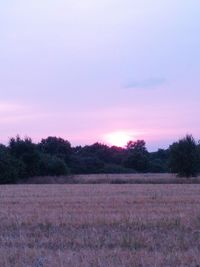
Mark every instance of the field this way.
pixel 148 178
pixel 100 225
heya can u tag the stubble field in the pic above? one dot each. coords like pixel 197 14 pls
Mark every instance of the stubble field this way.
pixel 100 225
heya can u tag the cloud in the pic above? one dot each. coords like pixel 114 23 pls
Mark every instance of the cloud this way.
pixel 146 83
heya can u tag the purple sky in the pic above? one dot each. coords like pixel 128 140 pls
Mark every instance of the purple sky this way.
pixel 83 70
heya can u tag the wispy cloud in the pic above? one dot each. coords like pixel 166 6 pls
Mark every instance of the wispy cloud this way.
pixel 146 83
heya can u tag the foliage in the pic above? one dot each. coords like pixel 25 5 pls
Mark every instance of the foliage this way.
pixel 184 157
pixel 114 168
pixel 26 151
pixel 11 169
pixel 35 158
pixel 54 156
pixel 86 164
pixel 137 156
pixel 159 161
pixel 57 147
pixel 52 165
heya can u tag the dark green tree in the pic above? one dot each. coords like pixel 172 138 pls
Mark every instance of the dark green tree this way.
pixel 159 161
pixel 184 157
pixel 11 169
pixel 52 165
pixel 56 146
pixel 137 156
pixel 26 151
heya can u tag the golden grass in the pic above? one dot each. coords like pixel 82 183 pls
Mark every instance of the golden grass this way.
pixel 99 225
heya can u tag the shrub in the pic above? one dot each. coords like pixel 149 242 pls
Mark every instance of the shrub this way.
pixel 114 168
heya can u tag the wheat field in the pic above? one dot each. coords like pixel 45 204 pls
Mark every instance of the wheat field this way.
pixel 99 225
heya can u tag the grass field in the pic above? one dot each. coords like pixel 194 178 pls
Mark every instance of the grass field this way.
pixel 100 225
pixel 136 178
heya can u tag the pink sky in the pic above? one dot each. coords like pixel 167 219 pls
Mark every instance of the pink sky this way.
pixel 83 70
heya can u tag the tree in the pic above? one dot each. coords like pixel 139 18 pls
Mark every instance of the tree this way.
pixel 97 150
pixel 137 156
pixel 11 169
pixel 159 161
pixel 52 165
pixel 184 157
pixel 139 146
pixel 18 147
pixel 57 147
pixel 26 151
pixel 86 164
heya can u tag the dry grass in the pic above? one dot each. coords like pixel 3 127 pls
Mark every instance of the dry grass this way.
pixel 100 225
pixel 136 178
pixel 148 178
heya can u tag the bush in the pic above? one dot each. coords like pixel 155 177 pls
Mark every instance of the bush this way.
pixel 114 168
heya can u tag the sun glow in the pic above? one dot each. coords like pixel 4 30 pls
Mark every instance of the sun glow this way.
pixel 119 139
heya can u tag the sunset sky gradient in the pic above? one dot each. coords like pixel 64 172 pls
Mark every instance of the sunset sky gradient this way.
pixel 83 70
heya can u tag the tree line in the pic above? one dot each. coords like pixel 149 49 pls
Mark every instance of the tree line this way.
pixel 54 156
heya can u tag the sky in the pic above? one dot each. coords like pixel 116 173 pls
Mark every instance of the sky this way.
pixel 100 70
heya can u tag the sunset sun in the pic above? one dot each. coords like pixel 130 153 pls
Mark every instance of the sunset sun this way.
pixel 119 139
